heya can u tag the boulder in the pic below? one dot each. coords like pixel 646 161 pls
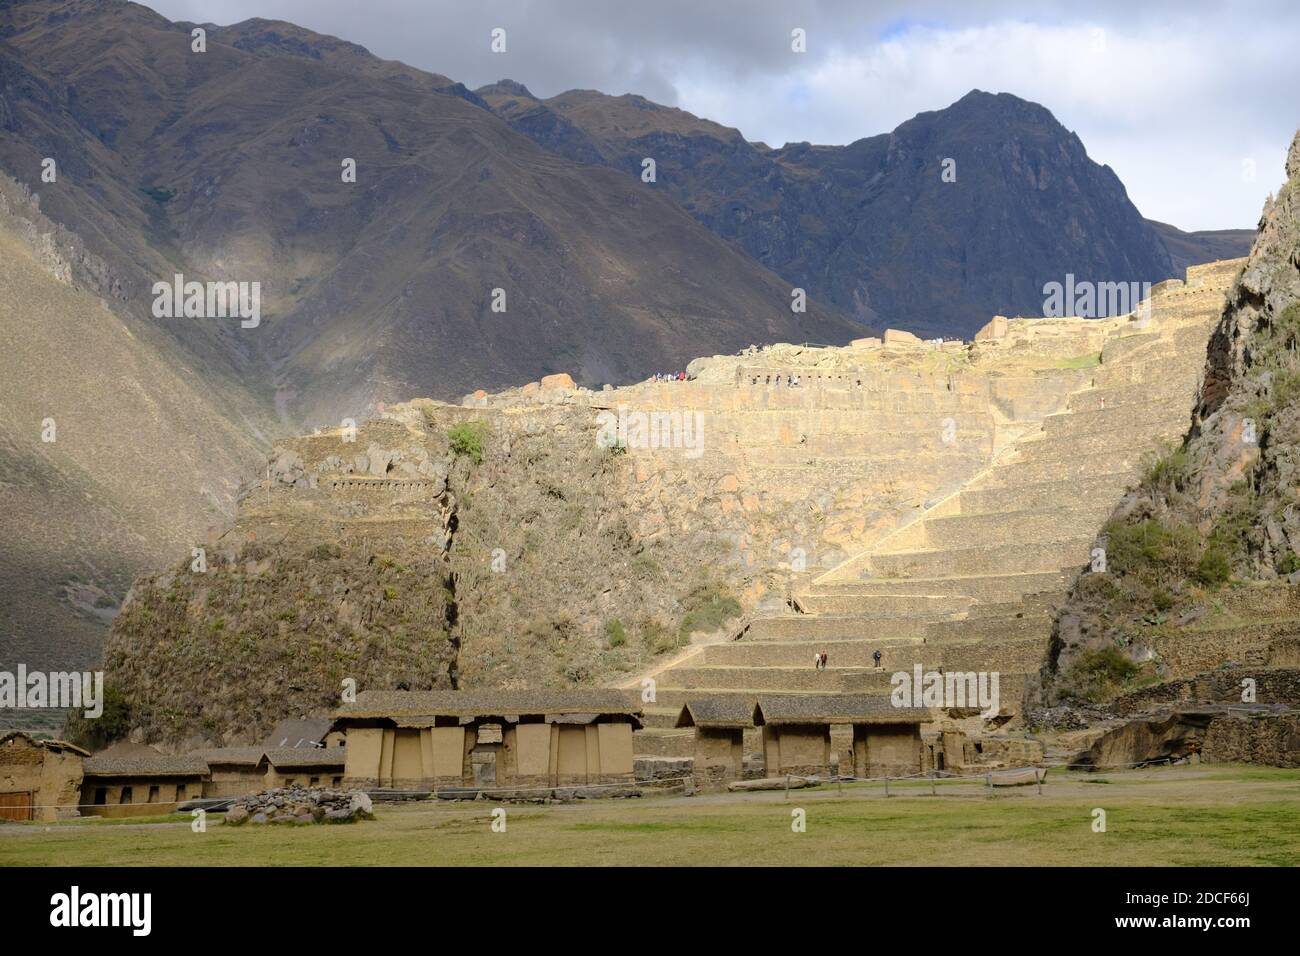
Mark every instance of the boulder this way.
pixel 360 804
pixel 559 380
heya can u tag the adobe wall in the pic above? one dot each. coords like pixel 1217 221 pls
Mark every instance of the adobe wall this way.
pixel 719 757
pixel 887 750
pixel 53 779
pixel 171 792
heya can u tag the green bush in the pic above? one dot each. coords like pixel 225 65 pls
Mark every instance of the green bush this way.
pixel 707 609
pixel 1151 549
pixel 1162 599
pixel 468 439
pixel 96 733
pixel 1109 666
pixel 1167 470
pixel 657 638
pixel 1213 569
pixel 615 635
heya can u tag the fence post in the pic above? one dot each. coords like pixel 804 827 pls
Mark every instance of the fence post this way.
pixel 933 792
pixel 787 786
pixel 886 786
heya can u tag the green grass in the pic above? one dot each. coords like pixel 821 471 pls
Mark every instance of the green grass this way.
pixel 1090 360
pixel 1189 816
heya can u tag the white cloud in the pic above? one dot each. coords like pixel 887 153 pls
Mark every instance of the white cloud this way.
pixel 1179 94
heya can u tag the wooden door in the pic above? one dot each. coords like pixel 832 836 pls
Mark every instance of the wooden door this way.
pixel 16 806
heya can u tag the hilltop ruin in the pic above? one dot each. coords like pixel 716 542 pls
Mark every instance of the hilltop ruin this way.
pixel 929 500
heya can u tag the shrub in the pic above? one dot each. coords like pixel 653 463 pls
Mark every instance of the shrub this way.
pixel 707 609
pixel 615 635
pixel 1166 470
pixel 96 733
pixel 657 638
pixel 1109 666
pixel 1213 569
pixel 467 440
pixel 1162 599
pixel 1151 549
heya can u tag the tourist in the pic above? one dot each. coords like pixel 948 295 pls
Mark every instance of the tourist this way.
pixel 876 657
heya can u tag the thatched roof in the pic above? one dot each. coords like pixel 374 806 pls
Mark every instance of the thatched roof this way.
pixel 306 758
pixel 409 706
pixel 836 709
pixel 298 732
pixel 717 712
pixel 146 765
pixel 57 746
pixel 232 756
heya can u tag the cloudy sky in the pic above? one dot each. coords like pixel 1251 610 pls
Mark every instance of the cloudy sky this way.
pixel 1192 104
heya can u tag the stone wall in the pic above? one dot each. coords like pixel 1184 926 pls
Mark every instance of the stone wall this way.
pixel 1268 740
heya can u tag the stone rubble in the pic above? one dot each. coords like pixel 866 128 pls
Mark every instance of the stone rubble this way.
pixel 301 805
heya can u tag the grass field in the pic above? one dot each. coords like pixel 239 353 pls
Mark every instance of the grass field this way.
pixel 1192 816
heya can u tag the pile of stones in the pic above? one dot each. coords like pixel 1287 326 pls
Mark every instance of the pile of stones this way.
pixel 301 805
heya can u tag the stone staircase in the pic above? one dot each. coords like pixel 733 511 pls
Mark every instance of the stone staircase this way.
pixel 973 582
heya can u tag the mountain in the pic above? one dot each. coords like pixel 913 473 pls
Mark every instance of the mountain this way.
pixel 114 458
pixel 872 227
pixel 227 165
pixel 1193 248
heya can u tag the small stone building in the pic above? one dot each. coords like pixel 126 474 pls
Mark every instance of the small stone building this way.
pixel 796 730
pixel 234 771
pixel 426 740
pixel 140 784
pixel 720 724
pixel 39 779
pixel 305 766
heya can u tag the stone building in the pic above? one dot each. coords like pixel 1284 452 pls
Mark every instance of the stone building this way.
pixel 305 766
pixel 39 779
pixel 796 734
pixel 720 724
pixel 234 771
pixel 139 784
pixel 426 740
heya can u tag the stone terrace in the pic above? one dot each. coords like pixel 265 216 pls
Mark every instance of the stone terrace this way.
pixel 972 582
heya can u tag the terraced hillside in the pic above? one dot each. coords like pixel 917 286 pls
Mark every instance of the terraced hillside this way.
pixel 894 493
pixel 972 583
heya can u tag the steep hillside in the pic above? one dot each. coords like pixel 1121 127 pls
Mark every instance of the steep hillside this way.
pixel 112 458
pixel 228 164
pixel 1190 248
pixel 872 227
pixel 1203 558
pixel 438 547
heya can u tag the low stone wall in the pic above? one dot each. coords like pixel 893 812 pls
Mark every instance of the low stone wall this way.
pixel 1269 740
pixel 1271 686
